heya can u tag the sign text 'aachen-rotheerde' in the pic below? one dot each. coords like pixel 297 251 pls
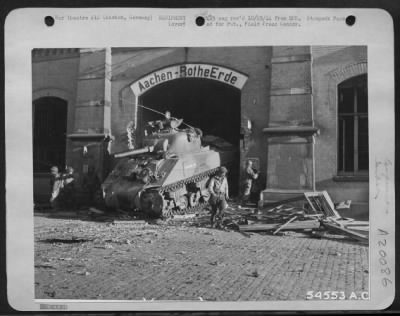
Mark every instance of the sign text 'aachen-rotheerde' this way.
pixel 205 71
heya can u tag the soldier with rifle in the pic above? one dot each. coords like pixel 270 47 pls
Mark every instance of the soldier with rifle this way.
pixel 218 188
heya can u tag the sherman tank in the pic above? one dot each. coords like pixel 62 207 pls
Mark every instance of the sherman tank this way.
pixel 167 176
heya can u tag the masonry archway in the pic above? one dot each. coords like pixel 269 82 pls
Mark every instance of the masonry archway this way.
pixel 206 96
pixel 210 105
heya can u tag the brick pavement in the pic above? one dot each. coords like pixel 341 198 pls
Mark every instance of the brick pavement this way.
pixel 139 260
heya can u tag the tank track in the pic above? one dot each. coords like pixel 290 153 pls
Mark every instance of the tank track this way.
pixel 180 184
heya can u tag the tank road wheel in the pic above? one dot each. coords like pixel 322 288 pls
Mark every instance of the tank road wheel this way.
pixel 152 203
pixel 194 198
pixel 167 212
pixel 183 203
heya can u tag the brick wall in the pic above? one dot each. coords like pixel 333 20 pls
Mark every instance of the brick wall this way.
pixel 54 74
pixel 330 68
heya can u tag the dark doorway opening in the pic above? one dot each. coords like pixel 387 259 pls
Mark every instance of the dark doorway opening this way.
pixel 212 106
pixel 49 133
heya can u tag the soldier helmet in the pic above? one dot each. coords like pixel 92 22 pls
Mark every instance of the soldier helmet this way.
pixel 69 169
pixel 222 170
pixel 249 162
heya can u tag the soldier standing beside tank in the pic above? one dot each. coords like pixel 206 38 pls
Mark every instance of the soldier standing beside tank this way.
pixel 68 195
pixel 91 184
pixel 218 188
pixel 250 175
pixel 56 183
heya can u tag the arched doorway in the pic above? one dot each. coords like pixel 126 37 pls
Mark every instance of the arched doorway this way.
pixel 210 105
pixel 49 133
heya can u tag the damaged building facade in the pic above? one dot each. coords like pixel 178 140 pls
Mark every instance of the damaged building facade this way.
pixel 299 112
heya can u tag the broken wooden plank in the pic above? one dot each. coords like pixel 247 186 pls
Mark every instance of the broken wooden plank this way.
pixel 357 223
pixel 284 225
pixel 281 202
pixel 340 221
pixel 343 205
pixel 317 216
pixel 95 210
pixel 344 231
pixel 297 225
pixel 183 217
pixel 130 222
pixel 321 202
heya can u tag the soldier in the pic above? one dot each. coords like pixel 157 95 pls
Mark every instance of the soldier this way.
pixel 250 175
pixel 68 191
pixel 56 183
pixel 91 184
pixel 218 188
pixel 170 123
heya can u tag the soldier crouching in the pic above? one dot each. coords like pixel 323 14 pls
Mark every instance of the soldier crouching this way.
pixel 218 188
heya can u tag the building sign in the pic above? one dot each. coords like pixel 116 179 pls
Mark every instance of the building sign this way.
pixel 205 71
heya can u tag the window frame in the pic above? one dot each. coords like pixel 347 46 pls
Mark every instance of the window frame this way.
pixel 356 82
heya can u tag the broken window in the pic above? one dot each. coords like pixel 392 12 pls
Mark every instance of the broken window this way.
pixel 353 126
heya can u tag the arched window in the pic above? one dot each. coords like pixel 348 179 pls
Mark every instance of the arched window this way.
pixel 49 133
pixel 353 126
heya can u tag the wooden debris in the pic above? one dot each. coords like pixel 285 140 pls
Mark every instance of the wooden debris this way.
pixel 95 210
pixel 359 227
pixel 284 225
pixel 321 203
pixel 340 221
pixel 316 216
pixel 344 231
pixel 183 217
pixel 343 205
pixel 130 222
pixel 279 203
pixel 357 223
pixel 307 224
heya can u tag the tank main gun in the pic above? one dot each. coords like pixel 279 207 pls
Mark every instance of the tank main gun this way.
pixel 147 149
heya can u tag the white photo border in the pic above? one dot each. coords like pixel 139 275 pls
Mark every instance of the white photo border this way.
pixel 25 30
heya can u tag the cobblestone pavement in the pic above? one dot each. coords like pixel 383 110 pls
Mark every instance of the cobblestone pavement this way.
pixel 81 259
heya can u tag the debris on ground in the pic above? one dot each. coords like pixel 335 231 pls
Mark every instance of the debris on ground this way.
pixel 317 215
pixel 311 212
pixel 95 210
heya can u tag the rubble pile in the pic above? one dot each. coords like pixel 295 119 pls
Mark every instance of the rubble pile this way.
pixel 317 216
pixel 313 213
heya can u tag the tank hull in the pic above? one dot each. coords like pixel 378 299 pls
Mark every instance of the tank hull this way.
pixel 175 185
